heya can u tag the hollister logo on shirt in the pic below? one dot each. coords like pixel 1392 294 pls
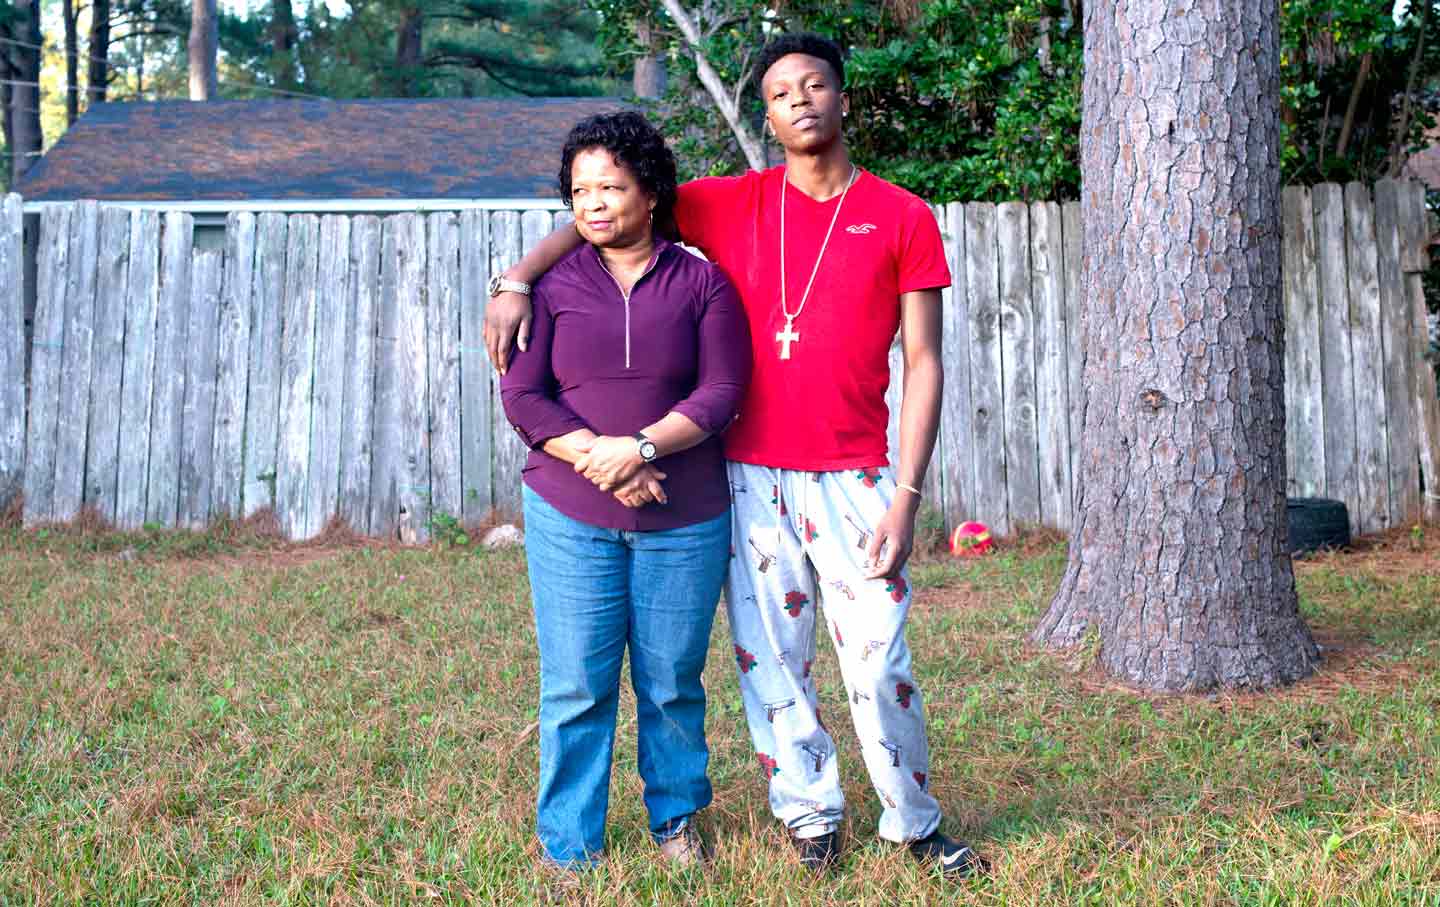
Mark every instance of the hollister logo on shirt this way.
pixel 860 229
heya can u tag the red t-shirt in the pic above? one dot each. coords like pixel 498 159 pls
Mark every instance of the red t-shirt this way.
pixel 824 407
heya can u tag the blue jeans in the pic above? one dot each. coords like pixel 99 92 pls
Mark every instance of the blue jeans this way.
pixel 595 591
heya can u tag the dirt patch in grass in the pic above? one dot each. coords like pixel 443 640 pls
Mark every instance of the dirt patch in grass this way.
pixel 1397 554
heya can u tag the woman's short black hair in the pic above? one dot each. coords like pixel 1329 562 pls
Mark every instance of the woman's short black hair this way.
pixel 636 145
pixel 808 43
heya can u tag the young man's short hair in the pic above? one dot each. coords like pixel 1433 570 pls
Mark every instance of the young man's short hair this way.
pixel 807 43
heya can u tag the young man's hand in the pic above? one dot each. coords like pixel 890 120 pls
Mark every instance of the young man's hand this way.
pixel 507 323
pixel 894 538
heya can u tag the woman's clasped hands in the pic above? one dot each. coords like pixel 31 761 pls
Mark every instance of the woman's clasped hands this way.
pixel 614 465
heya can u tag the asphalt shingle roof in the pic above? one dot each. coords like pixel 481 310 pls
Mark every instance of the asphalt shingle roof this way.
pixel 309 150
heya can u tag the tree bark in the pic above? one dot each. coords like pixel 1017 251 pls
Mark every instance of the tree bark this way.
pixel 72 63
pixel 1347 126
pixel 283 37
pixel 409 39
pixel 6 75
pixel 649 79
pixel 1179 564
pixel 1397 149
pixel 97 78
pixel 727 102
pixel 204 48
pixel 28 137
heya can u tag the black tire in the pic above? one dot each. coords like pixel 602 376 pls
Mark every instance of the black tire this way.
pixel 1317 523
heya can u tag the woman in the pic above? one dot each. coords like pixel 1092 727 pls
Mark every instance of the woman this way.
pixel 638 358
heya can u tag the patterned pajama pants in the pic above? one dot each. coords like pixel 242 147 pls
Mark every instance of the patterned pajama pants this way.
pixel 799 538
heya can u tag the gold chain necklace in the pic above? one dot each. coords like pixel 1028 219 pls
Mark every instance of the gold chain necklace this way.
pixel 790 335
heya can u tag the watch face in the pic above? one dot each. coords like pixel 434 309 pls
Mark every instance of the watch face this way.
pixel 495 285
pixel 647 450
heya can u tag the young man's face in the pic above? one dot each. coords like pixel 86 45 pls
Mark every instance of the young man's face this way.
pixel 803 102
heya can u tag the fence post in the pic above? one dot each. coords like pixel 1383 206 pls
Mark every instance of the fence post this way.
pixel 12 350
pixel 1413 260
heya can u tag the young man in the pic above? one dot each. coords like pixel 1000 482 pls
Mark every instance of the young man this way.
pixel 829 262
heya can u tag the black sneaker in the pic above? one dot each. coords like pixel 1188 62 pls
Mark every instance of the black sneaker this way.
pixel 955 859
pixel 818 854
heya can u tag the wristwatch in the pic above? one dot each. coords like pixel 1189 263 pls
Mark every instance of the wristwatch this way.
pixel 501 284
pixel 647 447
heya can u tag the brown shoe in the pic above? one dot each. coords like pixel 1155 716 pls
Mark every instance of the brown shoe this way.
pixel 685 848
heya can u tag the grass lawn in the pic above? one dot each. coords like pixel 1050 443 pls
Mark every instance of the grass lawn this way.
pixel 227 719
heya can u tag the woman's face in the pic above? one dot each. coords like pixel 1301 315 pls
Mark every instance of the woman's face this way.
pixel 611 209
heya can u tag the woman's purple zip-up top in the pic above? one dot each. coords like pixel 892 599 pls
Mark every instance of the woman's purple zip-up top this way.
pixel 599 361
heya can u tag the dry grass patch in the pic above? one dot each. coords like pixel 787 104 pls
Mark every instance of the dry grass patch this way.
pixel 229 718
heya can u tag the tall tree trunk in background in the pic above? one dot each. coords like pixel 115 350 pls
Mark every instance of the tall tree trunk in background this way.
pixel 203 47
pixel 649 80
pixel 1347 126
pixel 97 78
pixel 1398 147
pixel 7 74
pixel 408 46
pixel 25 131
pixel 72 63
pixel 1179 563
pixel 284 35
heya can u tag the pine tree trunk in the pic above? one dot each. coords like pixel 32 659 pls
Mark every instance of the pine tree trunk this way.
pixel 283 36
pixel 72 63
pixel 7 170
pixel 25 131
pixel 649 79
pixel 1179 562
pixel 203 47
pixel 97 78
pixel 408 38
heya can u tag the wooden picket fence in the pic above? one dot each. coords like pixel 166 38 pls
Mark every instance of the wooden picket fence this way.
pixel 332 367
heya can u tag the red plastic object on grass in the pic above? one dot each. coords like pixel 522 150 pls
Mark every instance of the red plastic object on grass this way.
pixel 971 539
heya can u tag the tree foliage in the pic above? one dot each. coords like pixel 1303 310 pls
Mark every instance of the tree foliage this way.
pixel 980 99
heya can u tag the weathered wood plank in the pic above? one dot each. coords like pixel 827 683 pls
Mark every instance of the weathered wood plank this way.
pixel 957 411
pixel 1398 369
pixel 1052 368
pixel 443 328
pixel 137 383
pixel 227 481
pixel 262 408
pixel 77 362
pixel 1336 380
pixel 12 351
pixel 197 425
pixel 987 394
pixel 508 451
pixel 162 497
pixel 297 374
pixel 111 285
pixel 356 431
pixel 416 484
pixel 1414 235
pixel 1304 395
pixel 894 391
pixel 475 419
pixel 45 364
pixel 400 482
pixel 1017 355
pixel 934 484
pixel 1072 235
pixel 1371 427
pixel 333 299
